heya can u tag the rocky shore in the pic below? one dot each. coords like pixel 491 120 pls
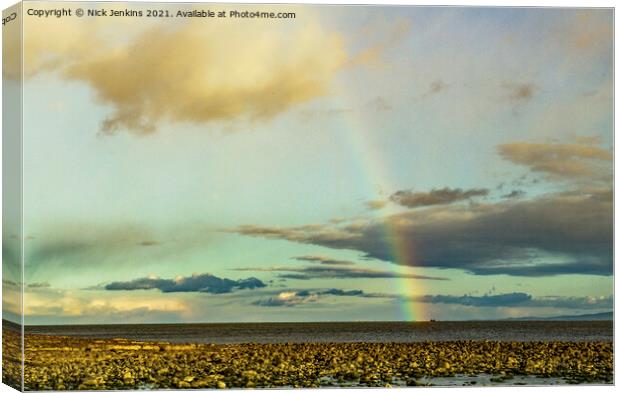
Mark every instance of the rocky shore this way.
pixel 11 355
pixel 67 363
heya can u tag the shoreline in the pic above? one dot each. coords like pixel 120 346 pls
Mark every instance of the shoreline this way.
pixel 239 333
pixel 69 363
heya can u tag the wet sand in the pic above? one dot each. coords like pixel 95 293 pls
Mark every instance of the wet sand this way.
pixel 68 363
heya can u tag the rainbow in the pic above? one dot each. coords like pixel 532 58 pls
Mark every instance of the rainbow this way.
pixel 374 172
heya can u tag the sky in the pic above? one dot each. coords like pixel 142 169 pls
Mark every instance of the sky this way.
pixel 353 163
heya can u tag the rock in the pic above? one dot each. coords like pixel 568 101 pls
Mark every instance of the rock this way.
pixel 163 371
pixel 91 381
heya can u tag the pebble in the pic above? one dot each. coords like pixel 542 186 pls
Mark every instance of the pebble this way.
pixel 93 364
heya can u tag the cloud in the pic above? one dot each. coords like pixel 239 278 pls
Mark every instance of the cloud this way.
pixel 86 240
pixel 562 233
pixel 287 299
pixel 83 245
pixel 560 160
pixel 376 204
pixel 311 234
pixel 590 31
pixel 340 292
pixel 441 196
pixel 435 87
pixel 317 114
pixel 323 260
pixel 39 285
pixel 588 139
pixel 502 300
pixel 11 51
pixel 520 299
pixel 190 73
pixel 195 283
pixel 296 298
pixel 385 34
pixel 328 272
pixel 9 283
pixel 578 302
pixel 520 92
pixel 514 299
pixel 48 305
pixel 514 194
pixel 379 104
pixel 66 306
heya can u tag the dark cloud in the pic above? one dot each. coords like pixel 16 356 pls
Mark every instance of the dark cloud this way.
pixel 323 260
pixel 195 283
pixel 443 196
pixel 514 194
pixel 39 285
pixel 502 300
pixel 514 299
pixel 520 299
pixel 340 292
pixel 569 232
pixel 10 283
pixel 326 272
pixel 34 285
pixel 568 161
pixel 563 233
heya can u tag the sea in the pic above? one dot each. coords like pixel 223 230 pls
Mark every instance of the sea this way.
pixel 403 332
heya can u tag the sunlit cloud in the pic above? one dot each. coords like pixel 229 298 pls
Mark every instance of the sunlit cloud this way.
pixel 560 160
pixel 159 75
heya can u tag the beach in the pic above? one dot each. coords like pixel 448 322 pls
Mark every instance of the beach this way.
pixel 69 363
